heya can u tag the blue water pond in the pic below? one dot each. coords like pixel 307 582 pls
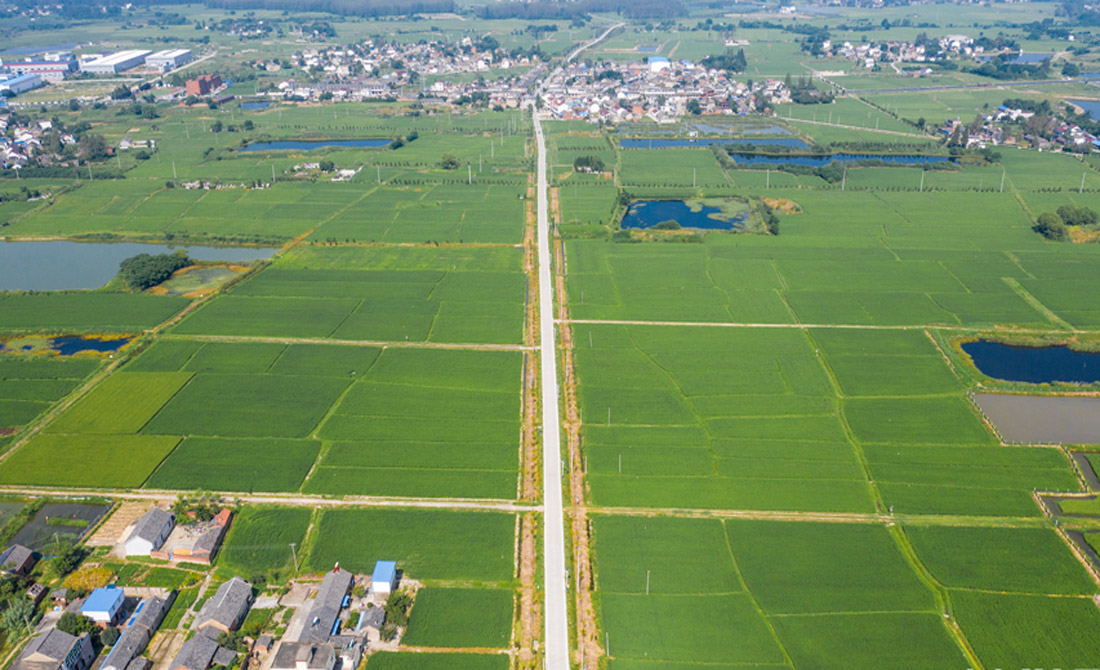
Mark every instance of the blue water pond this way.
pixel 1034 365
pixel 256 104
pixel 644 214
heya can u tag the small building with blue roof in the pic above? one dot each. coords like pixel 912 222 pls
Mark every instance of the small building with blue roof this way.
pixel 384 579
pixel 103 605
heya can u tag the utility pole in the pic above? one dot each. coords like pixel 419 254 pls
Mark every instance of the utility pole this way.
pixel 768 179
pixel 1003 171
pixel 469 174
pixel 1082 189
pixel 379 168
pixel 922 181
pixel 844 179
pixel 174 177
pixel 693 177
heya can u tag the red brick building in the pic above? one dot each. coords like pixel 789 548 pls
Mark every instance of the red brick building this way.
pixel 203 84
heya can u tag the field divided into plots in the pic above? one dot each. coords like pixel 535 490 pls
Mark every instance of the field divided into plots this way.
pixel 29 387
pixel 822 386
pixel 422 295
pixel 464 559
pixel 249 416
pixel 431 213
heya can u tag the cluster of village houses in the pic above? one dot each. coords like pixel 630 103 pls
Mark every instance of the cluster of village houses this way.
pixel 1007 126
pixel 331 627
pixel 658 89
pixel 369 70
pixel 20 144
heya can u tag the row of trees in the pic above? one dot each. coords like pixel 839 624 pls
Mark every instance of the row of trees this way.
pixel 588 164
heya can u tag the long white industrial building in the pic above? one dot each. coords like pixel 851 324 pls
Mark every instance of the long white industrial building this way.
pixel 169 59
pixel 117 62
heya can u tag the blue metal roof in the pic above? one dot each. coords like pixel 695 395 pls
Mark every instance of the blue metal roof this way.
pixel 384 571
pixel 103 600
pixel 18 79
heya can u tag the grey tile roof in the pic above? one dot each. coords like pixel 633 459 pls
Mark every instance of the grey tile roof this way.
pixel 137 636
pixel 316 657
pixel 153 611
pixel 326 607
pixel 223 656
pixel 53 645
pixel 15 556
pixel 228 605
pixel 374 617
pixel 151 525
pixel 196 654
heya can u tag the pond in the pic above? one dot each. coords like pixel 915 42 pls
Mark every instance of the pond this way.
pixel 727 130
pixel 644 214
pixel 1034 365
pixel 9 509
pixel 60 265
pixel 1043 419
pixel 309 145
pixel 668 143
pixel 825 159
pixel 73 344
pixel 39 531
pixel 1091 107
pixel 256 104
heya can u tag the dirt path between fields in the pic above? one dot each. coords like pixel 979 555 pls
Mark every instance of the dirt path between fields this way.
pixel 846 326
pixel 589 650
pixel 293 499
pixel 351 343
pixel 529 607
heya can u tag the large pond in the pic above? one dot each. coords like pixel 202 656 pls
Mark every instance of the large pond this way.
pixel 668 143
pixel 309 145
pixel 644 214
pixel 1043 419
pixel 1034 365
pixel 57 266
pixel 1091 107
pixel 256 104
pixel 62 519
pixel 825 159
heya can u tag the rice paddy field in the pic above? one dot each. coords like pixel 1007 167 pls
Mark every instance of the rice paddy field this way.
pixel 776 444
pixel 810 377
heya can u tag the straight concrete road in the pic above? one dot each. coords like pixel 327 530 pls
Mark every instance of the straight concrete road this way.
pixel 557 625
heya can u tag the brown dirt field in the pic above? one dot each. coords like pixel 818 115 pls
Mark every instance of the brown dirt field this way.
pixel 110 531
pixel 783 205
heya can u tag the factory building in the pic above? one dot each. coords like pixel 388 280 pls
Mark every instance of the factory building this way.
pixel 117 62
pixel 169 59
pixel 50 66
pixel 19 83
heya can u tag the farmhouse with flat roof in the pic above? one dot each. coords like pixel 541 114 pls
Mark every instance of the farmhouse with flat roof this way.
pixel 384 579
pixel 103 604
